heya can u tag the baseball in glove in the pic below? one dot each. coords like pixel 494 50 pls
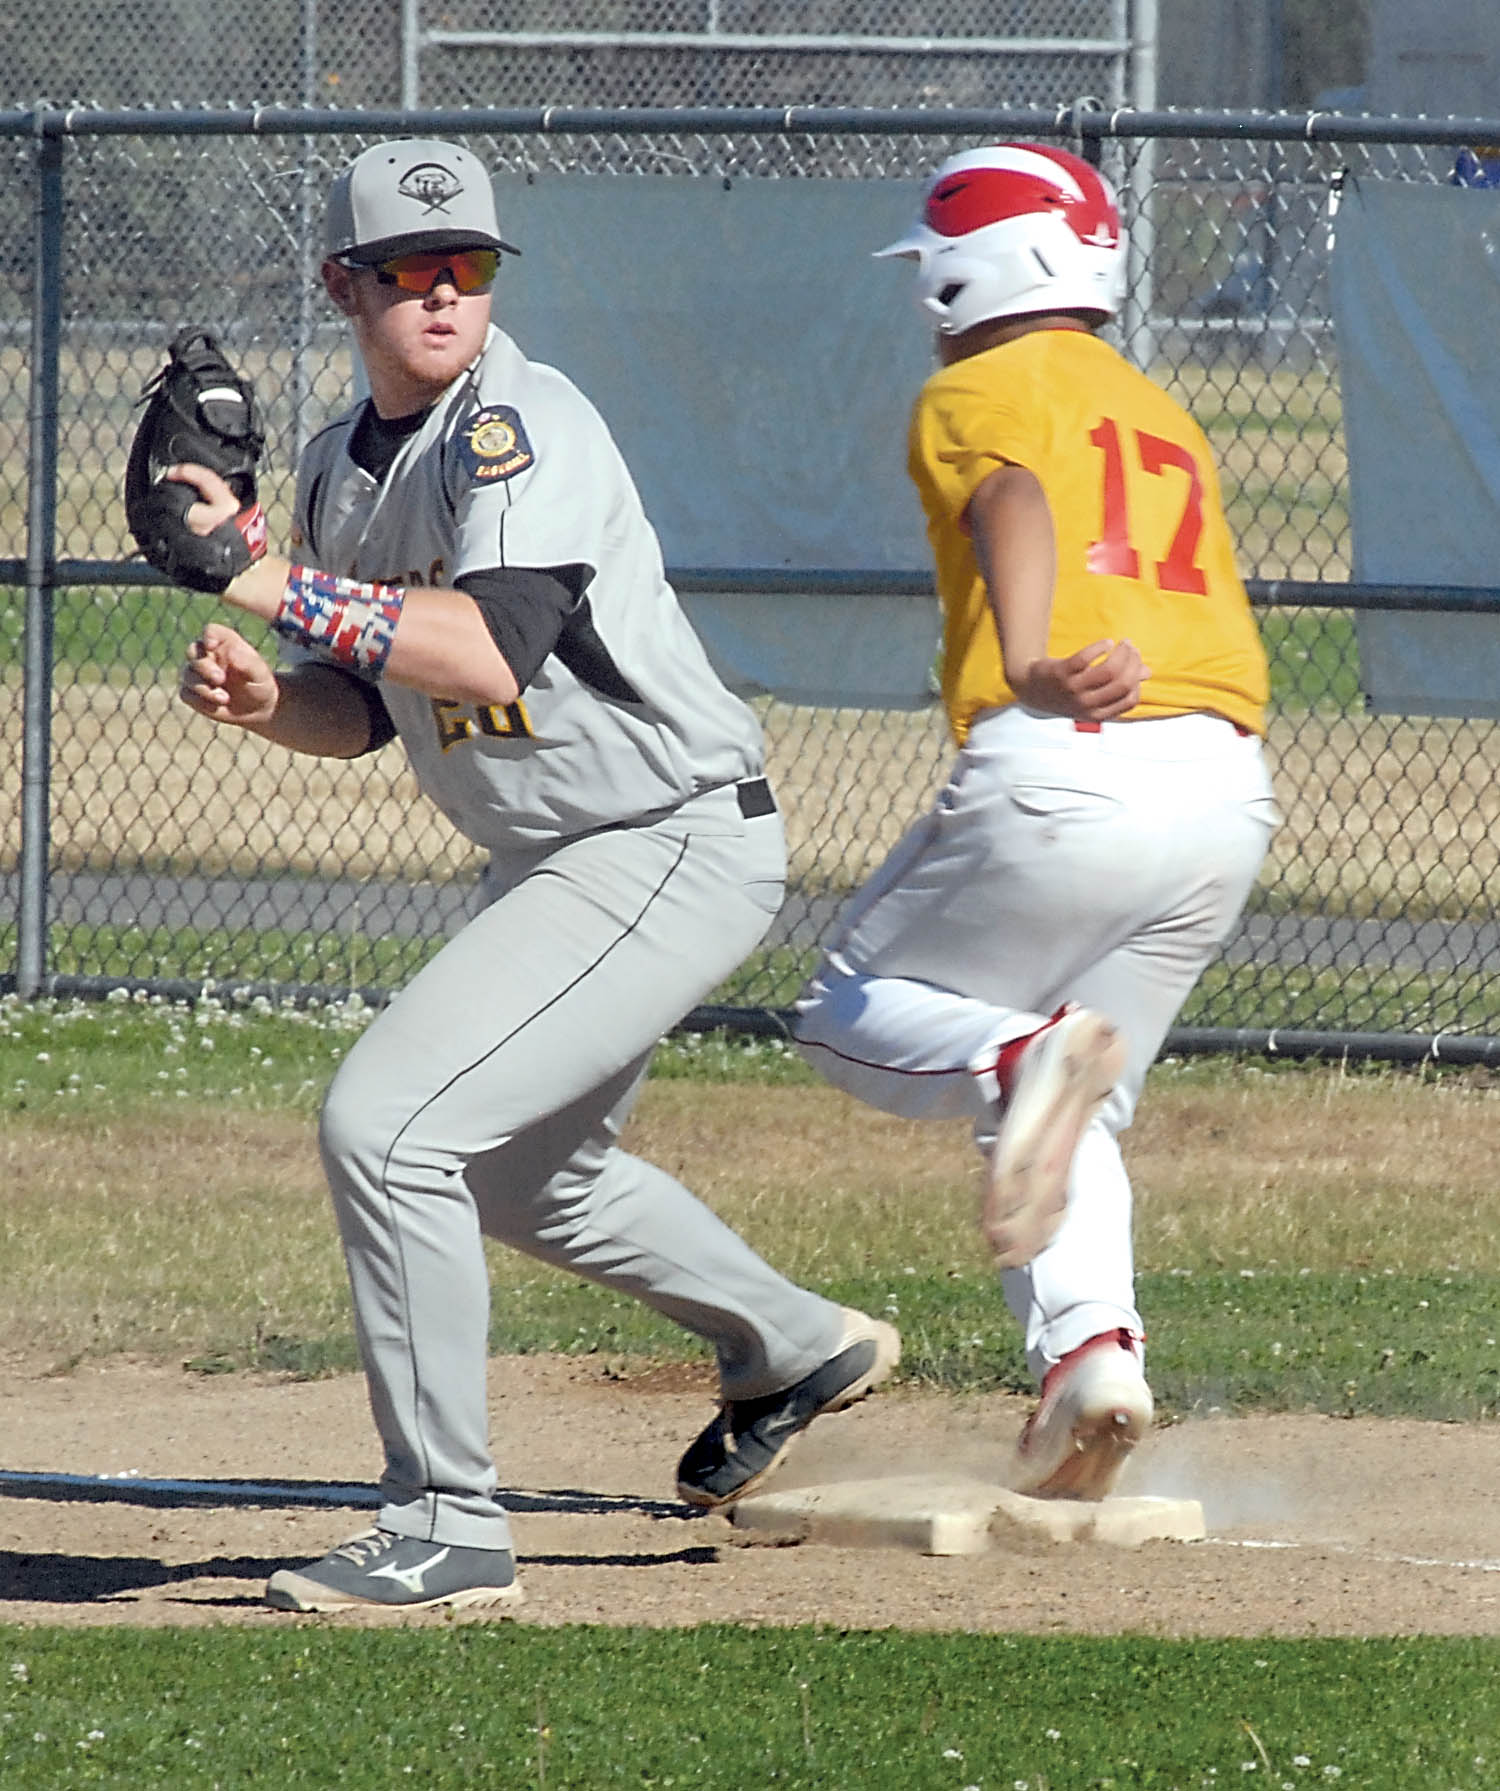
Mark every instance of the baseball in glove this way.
pixel 197 409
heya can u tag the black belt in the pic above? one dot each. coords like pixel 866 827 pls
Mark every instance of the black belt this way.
pixel 755 798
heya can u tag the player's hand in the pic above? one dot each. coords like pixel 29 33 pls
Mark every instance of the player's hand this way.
pixel 225 678
pixel 1100 682
pixel 217 503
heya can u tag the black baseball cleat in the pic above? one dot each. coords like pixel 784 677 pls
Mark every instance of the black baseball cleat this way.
pixel 747 1439
pixel 378 1570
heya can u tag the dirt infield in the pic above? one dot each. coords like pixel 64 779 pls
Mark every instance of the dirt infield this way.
pixel 1317 1526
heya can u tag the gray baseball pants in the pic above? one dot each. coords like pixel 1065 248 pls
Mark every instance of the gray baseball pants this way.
pixel 489 1099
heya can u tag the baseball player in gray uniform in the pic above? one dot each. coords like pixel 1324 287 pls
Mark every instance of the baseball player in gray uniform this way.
pixel 475 573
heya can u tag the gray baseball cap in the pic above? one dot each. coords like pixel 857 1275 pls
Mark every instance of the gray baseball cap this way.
pixel 400 198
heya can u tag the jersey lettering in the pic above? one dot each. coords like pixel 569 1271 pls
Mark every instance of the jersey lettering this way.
pixel 500 721
pixel 1177 572
pixel 1112 553
pixel 505 721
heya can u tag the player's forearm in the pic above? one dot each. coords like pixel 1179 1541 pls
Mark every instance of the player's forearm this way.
pixel 317 712
pixel 431 640
pixel 1011 526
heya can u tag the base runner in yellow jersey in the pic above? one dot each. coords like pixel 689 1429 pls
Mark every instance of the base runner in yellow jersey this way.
pixel 1021 955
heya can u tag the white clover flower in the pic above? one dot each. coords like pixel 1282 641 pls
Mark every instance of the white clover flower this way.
pixel 20 1672
pixel 1301 1760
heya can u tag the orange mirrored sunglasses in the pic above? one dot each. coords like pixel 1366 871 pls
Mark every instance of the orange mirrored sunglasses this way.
pixel 470 270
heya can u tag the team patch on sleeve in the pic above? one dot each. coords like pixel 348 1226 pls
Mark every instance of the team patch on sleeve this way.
pixel 495 444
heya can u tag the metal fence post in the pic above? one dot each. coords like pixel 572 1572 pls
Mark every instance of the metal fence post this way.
pixel 41 560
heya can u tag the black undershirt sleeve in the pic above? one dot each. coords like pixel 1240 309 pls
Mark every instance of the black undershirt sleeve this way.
pixel 526 610
pixel 382 728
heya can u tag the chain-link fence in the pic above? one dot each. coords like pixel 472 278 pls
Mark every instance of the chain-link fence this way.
pixel 441 53
pixel 142 848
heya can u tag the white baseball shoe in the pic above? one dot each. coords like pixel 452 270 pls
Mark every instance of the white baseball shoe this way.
pixel 1052 1082
pixel 1095 1408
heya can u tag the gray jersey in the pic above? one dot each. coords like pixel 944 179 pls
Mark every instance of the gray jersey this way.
pixel 515 468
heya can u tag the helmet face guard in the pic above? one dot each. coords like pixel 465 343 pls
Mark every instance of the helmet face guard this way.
pixel 1013 229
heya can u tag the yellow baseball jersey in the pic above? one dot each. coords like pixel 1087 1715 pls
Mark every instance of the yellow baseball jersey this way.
pixel 1144 551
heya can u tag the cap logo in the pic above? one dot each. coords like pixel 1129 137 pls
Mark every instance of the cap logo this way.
pixel 431 185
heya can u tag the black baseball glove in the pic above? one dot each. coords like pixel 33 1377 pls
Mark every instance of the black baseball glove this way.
pixel 199 409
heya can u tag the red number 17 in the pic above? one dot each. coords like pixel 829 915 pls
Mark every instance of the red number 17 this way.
pixel 1112 552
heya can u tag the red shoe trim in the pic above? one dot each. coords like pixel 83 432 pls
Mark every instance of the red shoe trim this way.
pixel 1009 1060
pixel 1122 1337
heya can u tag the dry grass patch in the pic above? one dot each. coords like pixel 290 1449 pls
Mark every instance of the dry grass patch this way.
pixel 1381 816
pixel 140 780
pixel 176 1232
pixel 1318 1170
pixel 162 1234
pixel 1384 816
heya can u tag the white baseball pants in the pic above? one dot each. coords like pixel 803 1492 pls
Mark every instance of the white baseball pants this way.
pixel 1057 865
pixel 489 1098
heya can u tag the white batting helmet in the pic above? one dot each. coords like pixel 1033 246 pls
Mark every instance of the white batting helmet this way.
pixel 1011 229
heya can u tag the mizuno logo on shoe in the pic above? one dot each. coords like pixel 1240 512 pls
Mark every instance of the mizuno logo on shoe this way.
pixel 410 1578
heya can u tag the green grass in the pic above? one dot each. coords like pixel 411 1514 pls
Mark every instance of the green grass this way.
pixel 119 1053
pixel 575 1709
pixel 1417 1341
pixel 120 636
pixel 1356 999
pixel 229 959
pixel 130 635
pixel 114 1054
pixel 1254 996
pixel 586 1708
pixel 1314 660
pixel 1386 1346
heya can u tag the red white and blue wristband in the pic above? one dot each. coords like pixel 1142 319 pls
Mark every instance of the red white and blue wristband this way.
pixel 353 623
